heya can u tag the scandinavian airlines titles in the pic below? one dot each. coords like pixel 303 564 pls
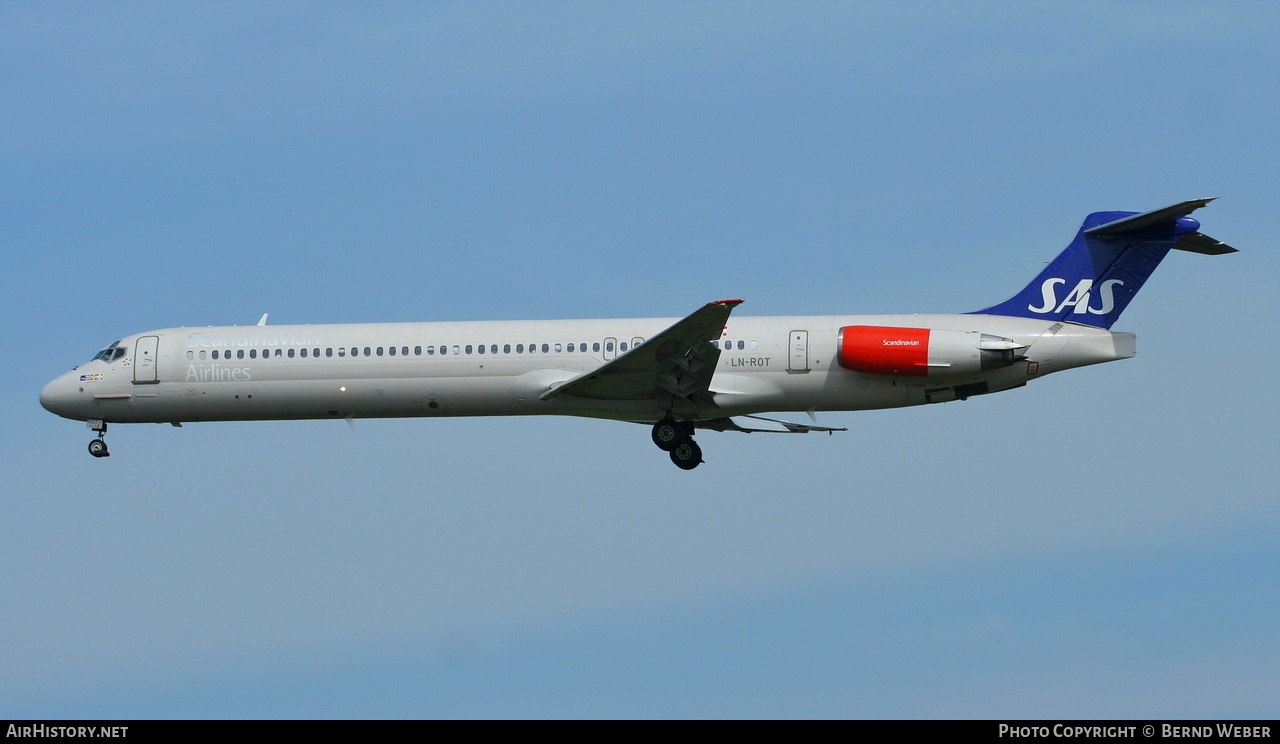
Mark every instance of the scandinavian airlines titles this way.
pixel 196 339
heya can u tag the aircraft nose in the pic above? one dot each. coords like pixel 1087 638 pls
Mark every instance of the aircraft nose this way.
pixel 59 397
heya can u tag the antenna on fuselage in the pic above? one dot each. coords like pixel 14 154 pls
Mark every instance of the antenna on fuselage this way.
pixel 263 320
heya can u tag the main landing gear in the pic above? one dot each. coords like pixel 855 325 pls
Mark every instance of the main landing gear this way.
pixel 98 447
pixel 676 439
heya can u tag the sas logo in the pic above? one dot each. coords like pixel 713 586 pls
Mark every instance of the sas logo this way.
pixel 1078 298
pixel 97 377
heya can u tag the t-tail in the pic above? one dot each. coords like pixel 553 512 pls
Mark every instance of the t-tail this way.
pixel 1093 280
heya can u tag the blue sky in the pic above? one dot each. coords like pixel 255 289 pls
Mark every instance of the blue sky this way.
pixel 1098 544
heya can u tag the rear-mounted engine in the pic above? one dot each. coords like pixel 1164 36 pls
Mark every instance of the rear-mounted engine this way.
pixel 923 352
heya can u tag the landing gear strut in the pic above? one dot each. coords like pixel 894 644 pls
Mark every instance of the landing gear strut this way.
pixel 676 439
pixel 98 447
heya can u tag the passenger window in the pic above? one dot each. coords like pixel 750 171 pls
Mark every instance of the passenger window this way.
pixel 417 350
pixel 202 355
pixel 559 348
pixel 755 345
pixel 622 346
pixel 519 348
pixel 595 346
pixel 469 348
pixel 391 350
pixel 456 349
pixel 253 353
pixel 493 348
pixel 240 353
pixel 506 348
pixel 367 351
pixel 342 351
pixel 191 355
pixel 481 348
pixel 378 351
pixel 304 353
pixel 546 348
pixel 570 347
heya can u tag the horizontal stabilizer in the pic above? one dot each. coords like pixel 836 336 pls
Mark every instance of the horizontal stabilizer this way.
pixel 1134 222
pixel 1192 241
pixel 1197 242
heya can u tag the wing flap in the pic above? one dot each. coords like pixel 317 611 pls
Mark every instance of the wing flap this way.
pixel 748 424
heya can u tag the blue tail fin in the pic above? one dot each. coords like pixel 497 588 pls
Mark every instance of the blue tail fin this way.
pixel 1093 280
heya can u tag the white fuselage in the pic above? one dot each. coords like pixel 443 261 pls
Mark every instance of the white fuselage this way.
pixel 501 368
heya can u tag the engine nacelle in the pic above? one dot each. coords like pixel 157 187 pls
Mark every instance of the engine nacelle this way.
pixel 923 352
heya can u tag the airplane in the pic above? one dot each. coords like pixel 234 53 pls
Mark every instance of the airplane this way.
pixel 707 370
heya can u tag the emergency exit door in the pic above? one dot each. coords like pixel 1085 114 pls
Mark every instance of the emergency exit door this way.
pixel 798 360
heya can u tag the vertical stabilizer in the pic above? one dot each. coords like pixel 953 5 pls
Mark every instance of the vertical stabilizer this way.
pixel 1095 278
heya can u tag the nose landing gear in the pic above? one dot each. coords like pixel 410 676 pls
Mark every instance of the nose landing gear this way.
pixel 676 439
pixel 98 447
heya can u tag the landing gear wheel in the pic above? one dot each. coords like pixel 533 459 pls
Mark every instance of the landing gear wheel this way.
pixel 667 434
pixel 98 448
pixel 687 455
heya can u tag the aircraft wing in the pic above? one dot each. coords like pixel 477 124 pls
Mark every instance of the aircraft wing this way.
pixel 679 362
pixel 773 426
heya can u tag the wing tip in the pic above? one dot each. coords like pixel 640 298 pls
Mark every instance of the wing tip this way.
pixel 730 303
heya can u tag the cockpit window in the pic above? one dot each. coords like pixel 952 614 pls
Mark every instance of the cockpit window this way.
pixel 110 354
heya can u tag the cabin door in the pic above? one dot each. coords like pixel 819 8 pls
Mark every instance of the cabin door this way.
pixel 144 360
